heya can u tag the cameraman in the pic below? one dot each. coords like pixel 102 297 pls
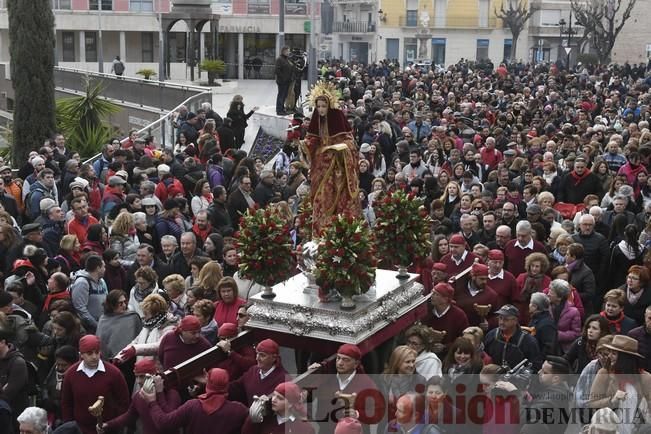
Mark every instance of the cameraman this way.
pixel 507 344
pixel 545 408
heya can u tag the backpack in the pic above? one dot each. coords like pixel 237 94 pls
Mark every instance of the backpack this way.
pixel 119 67
pixel 28 200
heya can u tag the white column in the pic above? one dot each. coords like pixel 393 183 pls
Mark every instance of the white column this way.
pixel 240 56
pixel 123 47
pixel 82 46
pixel 202 45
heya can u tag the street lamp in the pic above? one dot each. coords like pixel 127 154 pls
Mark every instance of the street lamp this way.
pixel 566 28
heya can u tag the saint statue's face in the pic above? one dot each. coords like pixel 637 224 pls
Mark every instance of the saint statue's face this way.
pixel 322 107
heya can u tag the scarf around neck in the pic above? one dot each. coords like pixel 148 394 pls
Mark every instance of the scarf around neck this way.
pixel 578 178
pixel 155 321
pixel 617 322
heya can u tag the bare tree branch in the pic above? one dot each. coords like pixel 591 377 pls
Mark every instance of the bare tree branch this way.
pixel 602 20
pixel 514 18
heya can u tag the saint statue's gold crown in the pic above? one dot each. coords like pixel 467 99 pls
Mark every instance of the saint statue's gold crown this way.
pixel 324 88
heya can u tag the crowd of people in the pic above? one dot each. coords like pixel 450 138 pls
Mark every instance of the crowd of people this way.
pixel 536 180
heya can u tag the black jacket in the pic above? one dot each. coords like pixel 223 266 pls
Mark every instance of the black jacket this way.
pixel 159 267
pixel 521 346
pixel 9 204
pixel 179 265
pixel 546 333
pixel 283 70
pixel 226 138
pixel 14 379
pixel 573 192
pixel 220 219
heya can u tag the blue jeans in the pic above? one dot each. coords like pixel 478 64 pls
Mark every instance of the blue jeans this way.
pixel 283 90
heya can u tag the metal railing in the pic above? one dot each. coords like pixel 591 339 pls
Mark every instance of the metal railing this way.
pixel 133 90
pixel 353 27
pixel 449 23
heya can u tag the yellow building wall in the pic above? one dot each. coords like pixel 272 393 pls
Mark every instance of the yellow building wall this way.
pixel 460 13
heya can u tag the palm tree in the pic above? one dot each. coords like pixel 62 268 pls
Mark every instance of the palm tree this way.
pixel 82 119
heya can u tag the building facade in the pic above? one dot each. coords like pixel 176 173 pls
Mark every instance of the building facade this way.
pixel 442 31
pixel 248 35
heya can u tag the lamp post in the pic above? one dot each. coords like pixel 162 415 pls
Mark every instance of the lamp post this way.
pixel 569 31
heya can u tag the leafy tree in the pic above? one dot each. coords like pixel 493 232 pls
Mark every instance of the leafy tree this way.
pixel 82 119
pixel 514 17
pixel 602 21
pixel 31 47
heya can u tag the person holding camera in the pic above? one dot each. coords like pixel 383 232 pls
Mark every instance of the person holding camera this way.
pixel 508 344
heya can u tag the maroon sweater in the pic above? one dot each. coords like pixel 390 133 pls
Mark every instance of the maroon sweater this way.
pixel 250 384
pixel 80 392
pixel 454 322
pixel 466 302
pixel 238 362
pixel 270 425
pixel 515 256
pixel 172 350
pixel 453 268
pixel 507 289
pixel 191 417
pixel 169 401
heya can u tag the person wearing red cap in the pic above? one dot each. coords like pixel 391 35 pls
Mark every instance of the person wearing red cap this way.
pixel 445 316
pixel 475 291
pixel 288 414
pixel 209 412
pixel 85 381
pixel 169 400
pixel 262 378
pixel 439 273
pixel 459 257
pixel 500 280
pixel 238 361
pixel 349 378
pixel 184 343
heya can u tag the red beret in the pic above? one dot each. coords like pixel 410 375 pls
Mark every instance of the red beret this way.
pixel 440 266
pixel 496 255
pixel 189 323
pixel 89 343
pixel 444 289
pixel 267 346
pixel 350 351
pixel 145 366
pixel 348 425
pixel 227 330
pixel 479 270
pixel 290 391
pixel 457 239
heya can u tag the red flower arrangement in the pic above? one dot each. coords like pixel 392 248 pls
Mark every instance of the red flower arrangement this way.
pixel 346 260
pixel 265 247
pixel 402 229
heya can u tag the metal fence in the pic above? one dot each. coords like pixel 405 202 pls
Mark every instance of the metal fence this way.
pixel 149 93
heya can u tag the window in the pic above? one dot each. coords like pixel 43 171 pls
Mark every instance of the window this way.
pixel 440 11
pixel 438 51
pixel 90 39
pixel 393 48
pixel 482 49
pixel 484 6
pixel 508 46
pixel 550 17
pixel 68 46
pixel 107 5
pixel 141 5
pixel 260 7
pixel 61 4
pixel 411 47
pixel 412 13
pixel 147 46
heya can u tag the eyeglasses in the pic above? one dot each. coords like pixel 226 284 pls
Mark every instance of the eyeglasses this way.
pixel 478 209
pixel 632 277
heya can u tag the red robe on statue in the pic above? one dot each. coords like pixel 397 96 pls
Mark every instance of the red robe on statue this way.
pixel 334 177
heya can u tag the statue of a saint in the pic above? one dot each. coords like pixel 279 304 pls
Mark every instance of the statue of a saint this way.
pixel 334 177
pixel 424 19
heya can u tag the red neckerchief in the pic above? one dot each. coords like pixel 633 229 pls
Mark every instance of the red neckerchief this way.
pixel 617 323
pixel 203 234
pixel 579 178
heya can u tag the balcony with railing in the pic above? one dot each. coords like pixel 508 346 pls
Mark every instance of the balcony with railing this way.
pixel 449 23
pixel 353 27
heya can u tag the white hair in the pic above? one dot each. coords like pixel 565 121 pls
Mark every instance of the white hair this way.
pixel 35 416
pixel 139 217
pixel 524 226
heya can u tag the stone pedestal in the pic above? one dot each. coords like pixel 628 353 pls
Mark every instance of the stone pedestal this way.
pixel 298 319
pixel 424 45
